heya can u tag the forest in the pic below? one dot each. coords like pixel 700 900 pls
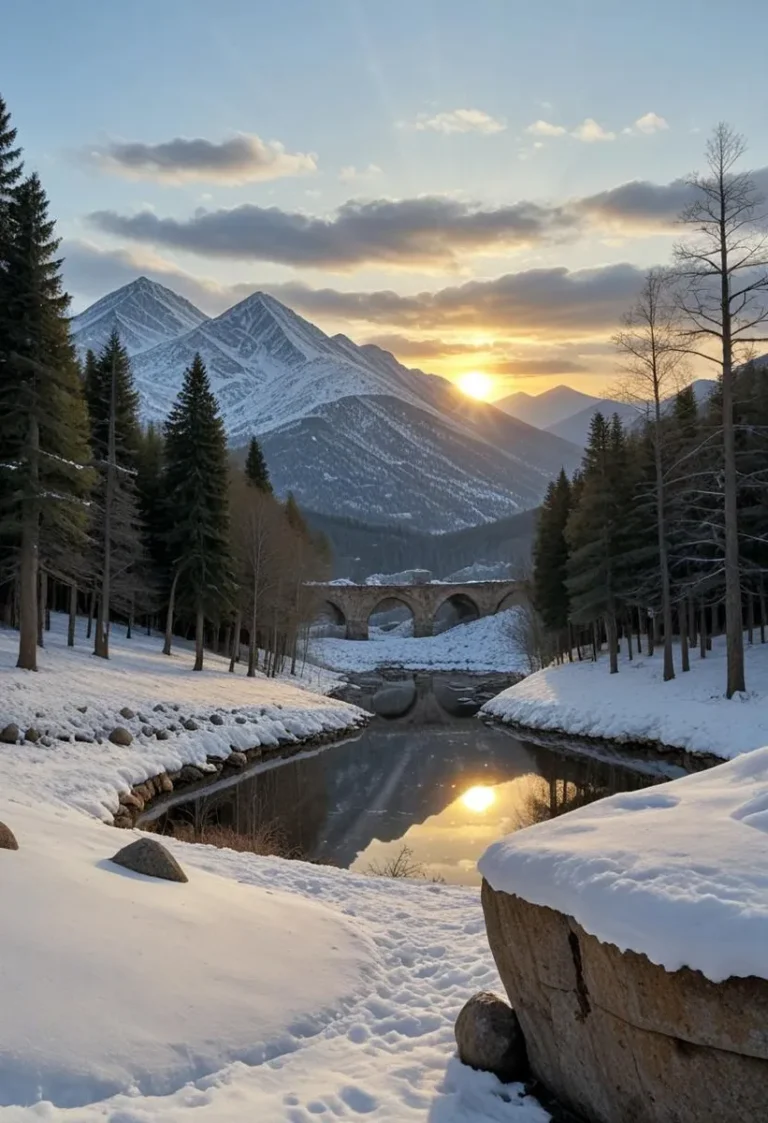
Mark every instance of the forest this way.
pixel 662 532
pixel 150 526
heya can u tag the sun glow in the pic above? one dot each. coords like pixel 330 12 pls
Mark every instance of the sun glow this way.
pixel 478 798
pixel 476 384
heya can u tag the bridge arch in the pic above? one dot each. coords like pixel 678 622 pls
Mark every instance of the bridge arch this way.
pixel 511 599
pixel 455 608
pixel 392 604
pixel 329 614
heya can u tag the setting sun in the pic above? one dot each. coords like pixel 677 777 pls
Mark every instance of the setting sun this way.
pixel 478 798
pixel 476 384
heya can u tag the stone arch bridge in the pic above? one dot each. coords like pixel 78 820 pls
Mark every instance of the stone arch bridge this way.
pixel 353 605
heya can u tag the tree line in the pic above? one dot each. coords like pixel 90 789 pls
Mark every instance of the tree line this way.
pixel 663 531
pixel 99 514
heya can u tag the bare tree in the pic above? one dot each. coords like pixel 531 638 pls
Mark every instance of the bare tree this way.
pixel 723 270
pixel 649 345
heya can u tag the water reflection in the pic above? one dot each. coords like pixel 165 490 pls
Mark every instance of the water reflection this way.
pixel 444 791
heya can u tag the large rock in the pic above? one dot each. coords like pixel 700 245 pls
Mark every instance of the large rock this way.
pixel 10 734
pixel 489 1037
pixel 395 700
pixel 150 857
pixel 121 736
pixel 7 838
pixel 616 1037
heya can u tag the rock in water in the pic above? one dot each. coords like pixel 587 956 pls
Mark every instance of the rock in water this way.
pixel 150 857
pixel 489 1037
pixel 7 838
pixel 120 736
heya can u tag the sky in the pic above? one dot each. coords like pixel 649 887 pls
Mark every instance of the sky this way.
pixel 477 186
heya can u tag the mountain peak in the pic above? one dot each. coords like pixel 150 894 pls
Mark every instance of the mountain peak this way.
pixel 143 312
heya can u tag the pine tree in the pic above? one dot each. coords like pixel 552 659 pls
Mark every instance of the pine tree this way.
pixel 256 471
pixel 550 558
pixel 197 474
pixel 10 175
pixel 115 436
pixel 43 423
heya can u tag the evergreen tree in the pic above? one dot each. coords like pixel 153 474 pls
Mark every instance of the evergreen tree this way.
pixel 550 558
pixel 197 474
pixel 10 175
pixel 115 437
pixel 256 471
pixel 294 517
pixel 43 422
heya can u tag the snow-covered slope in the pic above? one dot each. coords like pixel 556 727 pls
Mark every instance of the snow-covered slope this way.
pixel 576 428
pixel 143 313
pixel 347 428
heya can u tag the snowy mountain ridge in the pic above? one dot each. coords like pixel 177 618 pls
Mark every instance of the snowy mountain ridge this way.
pixel 348 428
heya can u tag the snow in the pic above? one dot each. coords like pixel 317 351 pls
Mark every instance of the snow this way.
pixel 90 774
pixel 679 872
pixel 691 712
pixel 480 646
pixel 263 989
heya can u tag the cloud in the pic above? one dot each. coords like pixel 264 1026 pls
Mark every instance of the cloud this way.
pixel 406 347
pixel 530 304
pixel 350 173
pixel 651 123
pixel 425 231
pixel 240 159
pixel 590 131
pixel 460 121
pixel 535 368
pixel 544 128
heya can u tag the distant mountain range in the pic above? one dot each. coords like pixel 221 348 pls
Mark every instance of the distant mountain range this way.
pixel 347 428
pixel 568 413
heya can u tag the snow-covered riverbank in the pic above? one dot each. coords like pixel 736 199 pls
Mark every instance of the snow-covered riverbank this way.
pixel 691 712
pixel 261 989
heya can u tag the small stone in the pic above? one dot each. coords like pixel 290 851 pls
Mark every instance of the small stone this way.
pixel 120 736
pixel 240 720
pixel 489 1038
pixel 10 734
pixel 7 838
pixel 86 738
pixel 216 719
pixel 127 713
pixel 165 782
pixel 237 760
pixel 173 727
pixel 123 818
pixel 131 799
pixel 32 734
pixel 190 724
pixel 162 734
pixel 146 731
pixel 82 709
pixel 144 791
pixel 159 708
pixel 150 857
pixel 190 774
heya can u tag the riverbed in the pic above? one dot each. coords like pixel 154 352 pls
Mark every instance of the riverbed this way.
pixel 429 786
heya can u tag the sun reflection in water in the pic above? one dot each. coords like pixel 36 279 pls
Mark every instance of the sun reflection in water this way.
pixel 479 798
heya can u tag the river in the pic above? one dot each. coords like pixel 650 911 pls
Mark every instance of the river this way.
pixel 431 777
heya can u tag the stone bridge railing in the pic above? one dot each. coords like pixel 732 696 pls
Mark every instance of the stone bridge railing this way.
pixel 353 605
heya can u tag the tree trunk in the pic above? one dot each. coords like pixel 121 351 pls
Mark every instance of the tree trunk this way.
pixel 101 645
pixel 734 636
pixel 29 554
pixel 169 615
pixel 762 610
pixel 639 631
pixel 235 647
pixel 199 639
pixel 684 655
pixel 42 606
pixel 629 638
pixel 72 615
pixel 91 610
pixel 227 645
pixel 691 621
pixel 129 629
pixel 651 633
pixel 661 534
pixel 594 641
pixel 750 619
pixel 610 631
pixel 703 632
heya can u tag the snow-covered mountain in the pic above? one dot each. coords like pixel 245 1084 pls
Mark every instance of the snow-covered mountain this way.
pixel 348 428
pixel 143 313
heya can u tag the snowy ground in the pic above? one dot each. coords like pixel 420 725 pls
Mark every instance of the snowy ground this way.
pixel 481 646
pixel 263 990
pixel 679 872
pixel 76 695
pixel 690 712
